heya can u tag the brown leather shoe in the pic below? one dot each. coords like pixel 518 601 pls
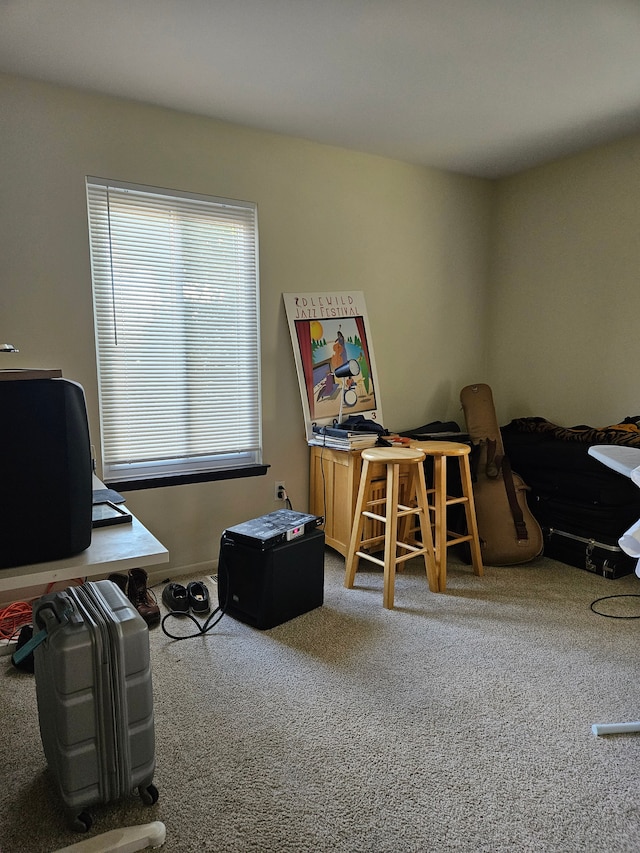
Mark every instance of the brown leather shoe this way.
pixel 119 580
pixel 142 598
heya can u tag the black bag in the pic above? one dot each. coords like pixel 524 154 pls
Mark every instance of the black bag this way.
pixel 447 429
pixel 358 423
pixel 582 506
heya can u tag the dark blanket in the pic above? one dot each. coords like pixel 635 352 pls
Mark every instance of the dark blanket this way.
pixel 554 461
pixel 627 432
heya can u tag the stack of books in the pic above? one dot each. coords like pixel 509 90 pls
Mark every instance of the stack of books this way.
pixel 342 439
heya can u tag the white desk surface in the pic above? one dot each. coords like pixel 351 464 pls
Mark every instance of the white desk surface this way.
pixel 619 458
pixel 116 548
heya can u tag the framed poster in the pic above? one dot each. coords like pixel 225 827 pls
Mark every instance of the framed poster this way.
pixel 334 357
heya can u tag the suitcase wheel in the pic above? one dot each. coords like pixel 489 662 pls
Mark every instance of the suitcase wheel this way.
pixel 80 822
pixel 148 794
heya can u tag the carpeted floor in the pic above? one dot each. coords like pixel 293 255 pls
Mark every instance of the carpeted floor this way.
pixel 456 722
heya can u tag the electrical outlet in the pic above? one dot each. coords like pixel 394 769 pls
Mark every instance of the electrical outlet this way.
pixel 279 490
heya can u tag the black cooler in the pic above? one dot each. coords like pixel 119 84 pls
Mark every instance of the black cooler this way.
pixel 271 569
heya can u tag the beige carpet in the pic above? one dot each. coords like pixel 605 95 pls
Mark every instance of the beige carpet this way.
pixel 457 722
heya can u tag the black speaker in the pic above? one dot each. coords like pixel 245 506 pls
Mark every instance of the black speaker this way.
pixel 45 471
pixel 265 588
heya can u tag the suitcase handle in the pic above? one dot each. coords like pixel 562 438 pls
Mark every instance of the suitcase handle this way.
pixel 56 609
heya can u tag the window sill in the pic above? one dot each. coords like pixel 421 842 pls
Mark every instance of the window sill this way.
pixel 185 479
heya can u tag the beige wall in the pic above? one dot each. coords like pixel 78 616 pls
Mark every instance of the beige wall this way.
pixel 565 289
pixel 414 240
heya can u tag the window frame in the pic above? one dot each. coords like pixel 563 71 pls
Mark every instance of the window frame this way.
pixel 113 285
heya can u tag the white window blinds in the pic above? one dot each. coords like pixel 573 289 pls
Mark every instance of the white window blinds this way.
pixel 175 284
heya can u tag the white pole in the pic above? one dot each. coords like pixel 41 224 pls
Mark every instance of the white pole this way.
pixel 125 840
pixel 614 728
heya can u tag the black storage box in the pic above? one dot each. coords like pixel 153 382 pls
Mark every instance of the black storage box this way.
pixel 266 587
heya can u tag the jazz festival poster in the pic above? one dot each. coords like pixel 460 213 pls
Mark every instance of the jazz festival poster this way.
pixel 330 331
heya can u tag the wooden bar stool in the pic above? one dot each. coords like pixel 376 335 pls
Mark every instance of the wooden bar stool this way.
pixel 393 458
pixel 439 500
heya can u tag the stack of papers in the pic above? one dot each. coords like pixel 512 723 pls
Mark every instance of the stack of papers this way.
pixel 342 439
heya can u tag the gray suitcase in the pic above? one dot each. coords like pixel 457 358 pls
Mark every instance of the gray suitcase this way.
pixel 95 699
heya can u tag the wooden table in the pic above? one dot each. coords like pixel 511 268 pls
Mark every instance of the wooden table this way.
pixel 334 478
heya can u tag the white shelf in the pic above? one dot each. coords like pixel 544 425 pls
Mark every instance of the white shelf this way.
pixel 116 548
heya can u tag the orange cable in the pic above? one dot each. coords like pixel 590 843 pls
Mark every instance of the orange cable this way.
pixel 17 614
pixel 12 617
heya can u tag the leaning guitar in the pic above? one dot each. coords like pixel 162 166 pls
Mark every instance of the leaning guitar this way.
pixel 508 531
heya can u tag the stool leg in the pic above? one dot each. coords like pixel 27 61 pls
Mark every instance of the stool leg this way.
pixel 391 535
pixel 351 565
pixel 470 512
pixel 425 527
pixel 407 525
pixel 440 504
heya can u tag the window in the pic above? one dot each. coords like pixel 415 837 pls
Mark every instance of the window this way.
pixel 175 288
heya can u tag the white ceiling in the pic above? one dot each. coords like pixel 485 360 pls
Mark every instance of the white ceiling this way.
pixel 483 87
